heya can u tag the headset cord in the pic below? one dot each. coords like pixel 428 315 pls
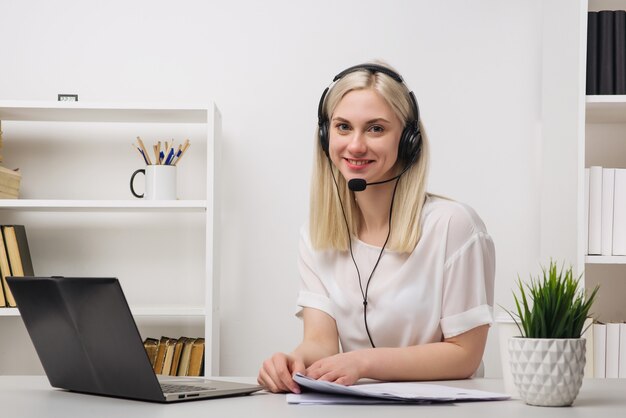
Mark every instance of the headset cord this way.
pixel 345 218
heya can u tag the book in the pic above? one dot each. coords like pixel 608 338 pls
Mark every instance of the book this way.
pixel 612 350
pixel 196 359
pixel 622 351
pixel 16 244
pixel 178 351
pixel 185 357
pixel 8 194
pixel 586 228
pixel 599 350
pixel 592 53
pixel 170 344
pixel 10 178
pixel 619 213
pixel 160 357
pixel 5 271
pixel 595 210
pixel 3 299
pixel 152 347
pixel 620 51
pixel 606 231
pixel 588 336
pixel 606 52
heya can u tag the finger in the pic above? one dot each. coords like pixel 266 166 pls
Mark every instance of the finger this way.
pixel 314 371
pixel 345 380
pixel 284 374
pixel 269 367
pixel 267 383
pixel 298 366
pixel 329 376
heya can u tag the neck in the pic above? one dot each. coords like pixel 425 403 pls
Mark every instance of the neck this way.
pixel 374 203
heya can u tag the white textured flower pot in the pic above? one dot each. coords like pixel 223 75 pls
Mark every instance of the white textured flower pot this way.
pixel 547 372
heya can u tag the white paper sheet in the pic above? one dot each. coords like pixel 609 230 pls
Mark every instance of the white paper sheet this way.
pixel 396 391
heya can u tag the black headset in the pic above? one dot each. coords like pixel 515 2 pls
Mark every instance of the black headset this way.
pixel 411 139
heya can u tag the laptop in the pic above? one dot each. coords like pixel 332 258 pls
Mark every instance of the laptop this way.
pixel 88 342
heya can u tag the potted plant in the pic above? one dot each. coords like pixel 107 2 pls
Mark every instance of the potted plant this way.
pixel 548 360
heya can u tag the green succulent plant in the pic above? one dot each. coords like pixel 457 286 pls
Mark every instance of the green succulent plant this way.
pixel 552 306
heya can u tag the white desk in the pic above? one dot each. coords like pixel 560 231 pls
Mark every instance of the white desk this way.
pixel 32 396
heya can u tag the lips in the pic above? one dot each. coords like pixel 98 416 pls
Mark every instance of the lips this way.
pixel 357 164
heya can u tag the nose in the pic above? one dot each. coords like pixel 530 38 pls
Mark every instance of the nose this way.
pixel 357 145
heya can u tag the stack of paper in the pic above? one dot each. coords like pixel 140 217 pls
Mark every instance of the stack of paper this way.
pixel 376 393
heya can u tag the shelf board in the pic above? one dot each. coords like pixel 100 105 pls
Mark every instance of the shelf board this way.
pixel 606 109
pixel 9 312
pixel 169 311
pixel 55 205
pixel 157 312
pixel 102 112
pixel 605 259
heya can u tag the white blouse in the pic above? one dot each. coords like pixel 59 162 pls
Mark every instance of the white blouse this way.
pixel 442 289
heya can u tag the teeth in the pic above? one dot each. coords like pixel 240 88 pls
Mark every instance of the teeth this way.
pixel 358 162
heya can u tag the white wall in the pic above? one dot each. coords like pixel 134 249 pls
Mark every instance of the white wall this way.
pixel 474 66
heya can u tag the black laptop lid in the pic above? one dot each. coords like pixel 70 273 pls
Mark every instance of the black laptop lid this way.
pixel 85 336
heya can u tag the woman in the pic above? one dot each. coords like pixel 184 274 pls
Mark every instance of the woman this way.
pixel 396 284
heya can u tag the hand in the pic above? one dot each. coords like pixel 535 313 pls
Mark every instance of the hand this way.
pixel 344 369
pixel 275 374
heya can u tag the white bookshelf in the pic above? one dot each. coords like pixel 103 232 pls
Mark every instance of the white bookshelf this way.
pixel 76 162
pixel 50 205
pixel 603 144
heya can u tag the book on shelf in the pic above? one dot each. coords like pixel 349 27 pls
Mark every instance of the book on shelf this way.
pixel 178 351
pixel 183 366
pixel 3 299
pixel 622 351
pixel 619 214
pixel 609 345
pixel 169 356
pixel 605 211
pixel 176 357
pixel 595 210
pixel 599 350
pixel 606 232
pixel 592 53
pixel 5 271
pixel 161 354
pixel 606 52
pixel 9 183
pixel 620 51
pixel 17 249
pixel 152 347
pixel 196 359
pixel 612 350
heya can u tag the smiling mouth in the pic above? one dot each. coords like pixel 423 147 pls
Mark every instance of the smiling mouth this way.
pixel 358 162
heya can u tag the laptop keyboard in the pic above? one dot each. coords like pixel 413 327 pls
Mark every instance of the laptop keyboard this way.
pixel 177 388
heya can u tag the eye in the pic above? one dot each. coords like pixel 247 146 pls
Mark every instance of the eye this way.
pixel 377 129
pixel 342 127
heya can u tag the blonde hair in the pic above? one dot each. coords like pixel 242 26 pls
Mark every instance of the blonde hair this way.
pixel 327 225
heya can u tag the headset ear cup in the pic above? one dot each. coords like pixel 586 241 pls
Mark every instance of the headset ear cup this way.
pixel 409 146
pixel 324 140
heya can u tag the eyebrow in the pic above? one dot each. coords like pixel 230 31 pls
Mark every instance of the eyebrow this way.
pixel 340 119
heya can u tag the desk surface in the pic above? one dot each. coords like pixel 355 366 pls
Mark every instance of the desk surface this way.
pixel 32 396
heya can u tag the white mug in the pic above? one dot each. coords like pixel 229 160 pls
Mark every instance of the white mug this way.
pixel 160 182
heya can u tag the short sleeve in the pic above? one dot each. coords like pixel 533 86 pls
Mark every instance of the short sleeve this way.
pixel 468 283
pixel 313 293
